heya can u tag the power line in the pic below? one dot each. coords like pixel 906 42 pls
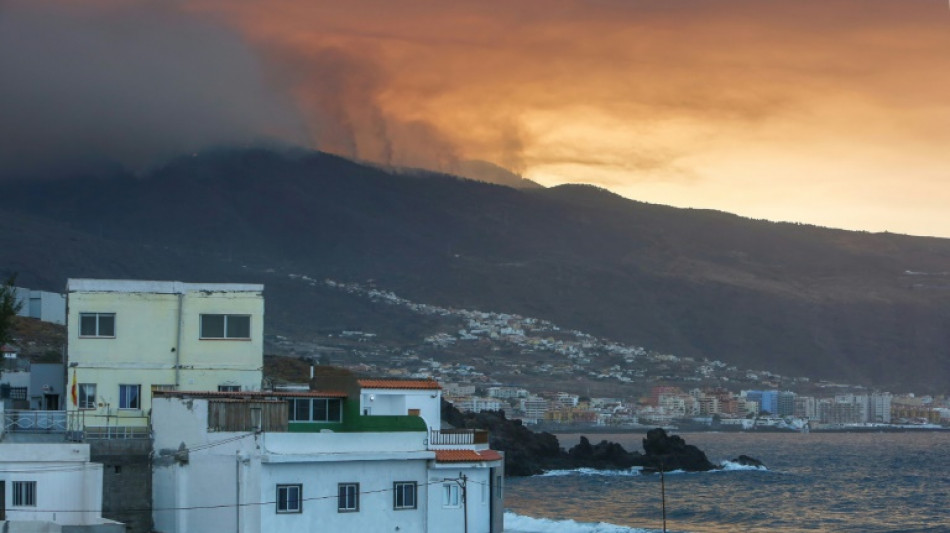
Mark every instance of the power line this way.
pixel 228 505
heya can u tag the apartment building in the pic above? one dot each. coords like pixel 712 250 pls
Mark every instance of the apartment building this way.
pixel 126 338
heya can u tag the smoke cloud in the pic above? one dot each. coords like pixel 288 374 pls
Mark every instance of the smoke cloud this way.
pixel 111 84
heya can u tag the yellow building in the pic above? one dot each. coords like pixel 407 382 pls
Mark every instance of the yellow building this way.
pixel 128 337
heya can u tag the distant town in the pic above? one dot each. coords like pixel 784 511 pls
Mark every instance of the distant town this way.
pixel 707 394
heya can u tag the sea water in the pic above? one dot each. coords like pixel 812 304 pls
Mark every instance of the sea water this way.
pixel 817 482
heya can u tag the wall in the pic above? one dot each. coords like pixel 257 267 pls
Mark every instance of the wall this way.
pixel 126 481
pixel 146 348
pixel 478 489
pixel 68 485
pixel 320 484
pixel 47 378
pixel 46 306
pixel 400 401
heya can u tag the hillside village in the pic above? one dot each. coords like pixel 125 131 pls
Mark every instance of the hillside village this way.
pixel 510 362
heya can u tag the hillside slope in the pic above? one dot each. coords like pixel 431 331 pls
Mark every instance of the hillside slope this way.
pixel 801 300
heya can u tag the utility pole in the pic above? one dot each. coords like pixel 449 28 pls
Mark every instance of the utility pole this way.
pixel 663 495
pixel 462 482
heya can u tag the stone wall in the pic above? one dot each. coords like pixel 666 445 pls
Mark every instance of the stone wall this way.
pixel 126 481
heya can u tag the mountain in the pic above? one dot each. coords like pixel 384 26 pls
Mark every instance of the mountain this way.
pixel 800 300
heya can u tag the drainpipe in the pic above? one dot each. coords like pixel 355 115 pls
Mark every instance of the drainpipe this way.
pixel 237 484
pixel 181 297
pixel 464 500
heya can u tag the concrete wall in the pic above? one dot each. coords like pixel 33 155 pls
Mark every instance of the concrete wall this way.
pixel 46 306
pixel 68 485
pixel 45 379
pixel 400 401
pixel 447 519
pixel 126 481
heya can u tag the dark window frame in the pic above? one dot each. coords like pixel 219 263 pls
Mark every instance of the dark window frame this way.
pixel 24 493
pixel 348 498
pixel 402 489
pixel 100 329
pixel 84 401
pixel 282 505
pixel 127 402
pixel 227 332
pixel 307 409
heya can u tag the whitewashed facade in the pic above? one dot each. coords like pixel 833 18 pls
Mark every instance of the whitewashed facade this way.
pixel 51 483
pixel 215 471
pixel 126 337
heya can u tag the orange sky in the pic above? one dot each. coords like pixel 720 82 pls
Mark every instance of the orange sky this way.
pixel 831 112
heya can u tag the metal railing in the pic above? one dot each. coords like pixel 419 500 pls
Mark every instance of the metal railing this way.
pixel 88 426
pixel 34 421
pixel 458 437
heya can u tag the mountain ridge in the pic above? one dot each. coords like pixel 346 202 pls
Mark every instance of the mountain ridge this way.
pixel 801 299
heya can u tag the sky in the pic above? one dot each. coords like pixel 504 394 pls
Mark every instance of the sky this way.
pixel 827 112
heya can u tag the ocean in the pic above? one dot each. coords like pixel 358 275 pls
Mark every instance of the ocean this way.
pixel 817 482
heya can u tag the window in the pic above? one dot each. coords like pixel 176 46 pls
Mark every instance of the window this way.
pixel 129 396
pixel 404 495
pixel 288 498
pixel 349 498
pixel 451 495
pixel 24 493
pixel 225 327
pixel 229 388
pixel 97 324
pixel 87 396
pixel 18 393
pixel 315 410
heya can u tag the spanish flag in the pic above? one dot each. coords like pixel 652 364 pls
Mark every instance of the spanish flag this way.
pixel 74 390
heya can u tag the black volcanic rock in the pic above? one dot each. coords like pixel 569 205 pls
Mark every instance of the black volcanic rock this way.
pixel 670 452
pixel 745 460
pixel 529 453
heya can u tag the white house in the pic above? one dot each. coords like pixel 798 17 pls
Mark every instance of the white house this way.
pixel 337 458
pixel 45 486
pixel 127 338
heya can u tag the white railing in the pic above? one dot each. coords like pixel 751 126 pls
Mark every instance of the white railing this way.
pixel 458 437
pixel 34 421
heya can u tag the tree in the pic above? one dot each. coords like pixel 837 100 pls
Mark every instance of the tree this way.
pixel 9 307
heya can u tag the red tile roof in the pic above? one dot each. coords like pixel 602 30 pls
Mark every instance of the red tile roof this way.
pixel 466 456
pixel 399 384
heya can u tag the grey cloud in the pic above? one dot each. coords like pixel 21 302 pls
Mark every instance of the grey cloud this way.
pixel 129 85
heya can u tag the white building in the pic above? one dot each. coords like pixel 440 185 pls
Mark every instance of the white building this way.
pixel 359 456
pixel 128 337
pixel 43 305
pixel 45 486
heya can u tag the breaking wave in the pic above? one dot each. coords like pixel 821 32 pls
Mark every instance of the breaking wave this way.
pixel 731 466
pixel 515 523
pixel 632 471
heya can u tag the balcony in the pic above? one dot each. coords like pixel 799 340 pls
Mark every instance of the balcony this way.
pixel 34 421
pixel 455 438
pixel 83 426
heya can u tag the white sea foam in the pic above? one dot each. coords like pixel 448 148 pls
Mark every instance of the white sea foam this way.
pixel 730 465
pixel 515 523
pixel 632 471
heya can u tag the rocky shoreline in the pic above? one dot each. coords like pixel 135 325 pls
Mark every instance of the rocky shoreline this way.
pixel 530 453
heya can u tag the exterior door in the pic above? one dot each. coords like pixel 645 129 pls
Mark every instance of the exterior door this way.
pixel 3 500
pixel 51 401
